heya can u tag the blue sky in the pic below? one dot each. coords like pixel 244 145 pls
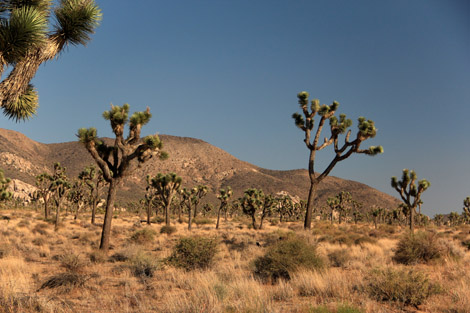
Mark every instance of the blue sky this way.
pixel 228 72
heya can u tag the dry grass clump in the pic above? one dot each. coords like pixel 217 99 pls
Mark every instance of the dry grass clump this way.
pixel 404 286
pixel 423 247
pixel 285 257
pixel 324 285
pixel 339 257
pixel 342 308
pixel 192 253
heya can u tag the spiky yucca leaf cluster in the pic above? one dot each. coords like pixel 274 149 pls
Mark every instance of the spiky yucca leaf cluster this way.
pixel 77 20
pixel 366 128
pixel 23 108
pixel 225 194
pixel 26 43
pixel 25 29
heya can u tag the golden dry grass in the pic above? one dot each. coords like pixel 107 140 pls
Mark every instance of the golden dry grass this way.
pixel 31 252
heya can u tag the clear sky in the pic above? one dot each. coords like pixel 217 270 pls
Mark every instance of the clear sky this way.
pixel 228 72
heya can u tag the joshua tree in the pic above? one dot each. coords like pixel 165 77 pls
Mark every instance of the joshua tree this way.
pixel 340 203
pixel 200 192
pixel 77 196
pixel 94 180
pixel 285 205
pixel 224 197
pixel 466 210
pixel 43 183
pixel 366 130
pixel 27 41
pixel 166 186
pixel 150 195
pixel 409 192
pixel 255 200
pixel 118 160
pixel 59 187
pixel 377 213
pixel 454 219
pixel 4 182
pixel 438 218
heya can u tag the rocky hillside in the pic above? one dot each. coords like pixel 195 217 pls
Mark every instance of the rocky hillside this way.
pixel 196 161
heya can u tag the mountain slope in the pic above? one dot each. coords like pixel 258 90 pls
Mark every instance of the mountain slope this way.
pixel 196 161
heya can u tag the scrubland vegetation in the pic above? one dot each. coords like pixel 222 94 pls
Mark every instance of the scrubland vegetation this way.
pixel 280 268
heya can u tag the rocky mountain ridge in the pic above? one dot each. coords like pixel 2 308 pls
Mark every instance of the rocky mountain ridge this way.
pixel 195 160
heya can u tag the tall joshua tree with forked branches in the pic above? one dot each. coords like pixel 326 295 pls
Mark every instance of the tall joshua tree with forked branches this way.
pixel 409 192
pixel 366 130
pixel 27 41
pixel 119 159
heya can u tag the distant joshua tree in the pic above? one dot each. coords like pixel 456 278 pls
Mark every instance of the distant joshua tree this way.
pixel 409 192
pixel 340 203
pixel 200 191
pixel 253 202
pixel 166 187
pixel 366 130
pixel 119 159
pixel 4 182
pixel 466 210
pixel 59 188
pixel 27 41
pixel 224 197
pixel 94 180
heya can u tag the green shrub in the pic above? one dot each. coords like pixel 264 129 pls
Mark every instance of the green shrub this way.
pixel 193 253
pixel 168 229
pixel 405 286
pixel 422 247
pixel 144 235
pixel 285 257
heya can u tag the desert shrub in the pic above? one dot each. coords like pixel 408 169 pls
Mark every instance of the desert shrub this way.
pixel 168 229
pixel 40 228
pixel 71 262
pixel 66 280
pixel 143 264
pixel 39 241
pixel 339 258
pixel 285 257
pixel 98 256
pixel 422 247
pixel 193 253
pixel 346 237
pixel 5 250
pixel 405 286
pixel 144 235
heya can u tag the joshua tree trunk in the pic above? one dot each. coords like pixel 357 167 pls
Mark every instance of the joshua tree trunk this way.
pixel 46 210
pixel 218 217
pixel 310 199
pixel 412 228
pixel 149 211
pixel 253 222
pixel 108 215
pixel 167 214
pixel 190 218
pixel 93 211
